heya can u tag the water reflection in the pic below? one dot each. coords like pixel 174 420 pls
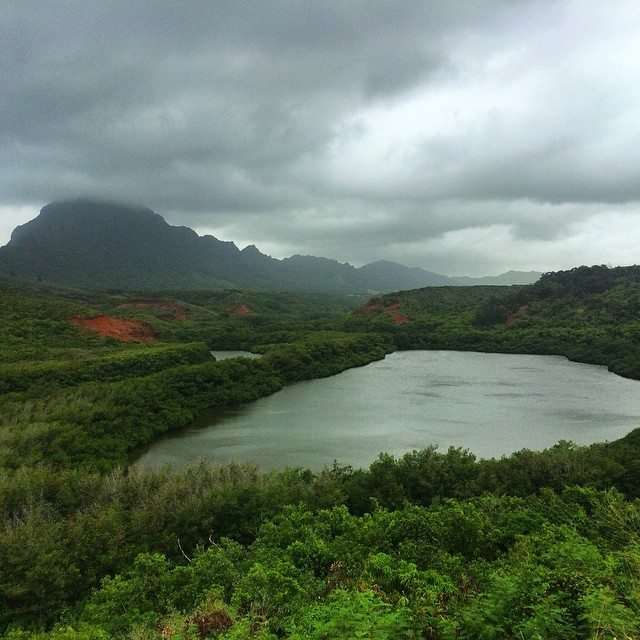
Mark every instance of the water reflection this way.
pixel 492 404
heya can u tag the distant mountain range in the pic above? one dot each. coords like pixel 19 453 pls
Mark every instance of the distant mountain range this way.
pixel 101 245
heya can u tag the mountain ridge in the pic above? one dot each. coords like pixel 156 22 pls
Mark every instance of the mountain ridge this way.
pixel 99 244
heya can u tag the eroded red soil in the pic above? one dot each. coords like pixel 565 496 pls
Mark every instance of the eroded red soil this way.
pixel 398 317
pixel 119 328
pixel 237 310
pixel 391 309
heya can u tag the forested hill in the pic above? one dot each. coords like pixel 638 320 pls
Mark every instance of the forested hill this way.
pixel 102 245
pixel 597 294
pixel 589 314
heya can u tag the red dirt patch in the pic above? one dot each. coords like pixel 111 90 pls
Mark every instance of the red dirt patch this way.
pixel 165 309
pixel 376 305
pixel 237 310
pixel 398 318
pixel 119 328
pixel 370 307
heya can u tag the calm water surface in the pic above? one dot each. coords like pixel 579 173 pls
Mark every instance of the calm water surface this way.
pixel 223 355
pixel 491 404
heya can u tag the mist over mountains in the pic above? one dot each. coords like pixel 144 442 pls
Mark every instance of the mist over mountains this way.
pixel 103 245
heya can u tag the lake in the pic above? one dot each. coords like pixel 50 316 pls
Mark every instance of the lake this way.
pixel 491 404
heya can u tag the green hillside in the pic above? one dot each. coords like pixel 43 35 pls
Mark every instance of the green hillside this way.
pixel 589 314
pixel 430 545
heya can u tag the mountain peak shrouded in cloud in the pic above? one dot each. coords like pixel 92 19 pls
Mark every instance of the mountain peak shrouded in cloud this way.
pixel 469 138
pixel 101 244
pixel 63 218
pixel 98 245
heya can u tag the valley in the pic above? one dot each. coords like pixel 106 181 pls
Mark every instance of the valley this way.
pixel 414 545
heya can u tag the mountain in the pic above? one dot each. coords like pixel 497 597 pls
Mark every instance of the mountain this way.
pixel 387 274
pixel 104 245
pixel 510 277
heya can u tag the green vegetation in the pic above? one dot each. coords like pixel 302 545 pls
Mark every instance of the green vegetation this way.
pixel 430 545
pixel 88 401
pixel 588 314
pixel 233 553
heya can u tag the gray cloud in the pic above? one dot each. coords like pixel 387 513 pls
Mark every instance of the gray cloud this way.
pixel 355 130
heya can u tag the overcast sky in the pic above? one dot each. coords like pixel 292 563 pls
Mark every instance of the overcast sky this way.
pixel 464 137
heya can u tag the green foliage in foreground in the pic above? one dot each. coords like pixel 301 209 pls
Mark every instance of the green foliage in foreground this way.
pixel 232 553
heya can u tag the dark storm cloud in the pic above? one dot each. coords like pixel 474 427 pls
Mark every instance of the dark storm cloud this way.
pixel 352 129
pixel 202 110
